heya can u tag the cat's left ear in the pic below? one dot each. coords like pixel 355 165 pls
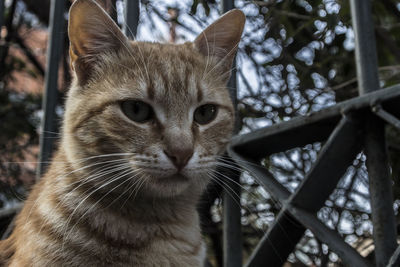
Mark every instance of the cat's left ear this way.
pixel 221 39
pixel 92 33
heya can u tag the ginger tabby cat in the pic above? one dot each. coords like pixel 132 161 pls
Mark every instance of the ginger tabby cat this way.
pixel 144 126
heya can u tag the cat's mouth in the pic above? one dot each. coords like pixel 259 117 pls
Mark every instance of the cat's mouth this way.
pixel 168 185
pixel 175 178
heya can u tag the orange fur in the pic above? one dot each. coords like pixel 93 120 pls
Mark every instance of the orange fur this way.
pixel 119 192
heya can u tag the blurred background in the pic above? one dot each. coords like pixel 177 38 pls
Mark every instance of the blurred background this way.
pixel 295 57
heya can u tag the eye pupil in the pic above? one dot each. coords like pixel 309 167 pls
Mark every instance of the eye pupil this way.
pixel 137 111
pixel 136 108
pixel 205 113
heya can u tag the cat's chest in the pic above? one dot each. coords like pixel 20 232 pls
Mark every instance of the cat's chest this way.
pixel 150 244
pixel 162 250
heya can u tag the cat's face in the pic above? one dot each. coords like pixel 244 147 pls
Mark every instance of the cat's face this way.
pixel 163 110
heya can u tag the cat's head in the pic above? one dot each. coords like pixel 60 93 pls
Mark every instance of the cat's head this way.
pixel 162 110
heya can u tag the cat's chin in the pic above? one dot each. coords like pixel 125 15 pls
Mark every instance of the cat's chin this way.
pixel 167 186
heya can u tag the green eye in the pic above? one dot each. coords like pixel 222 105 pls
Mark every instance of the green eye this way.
pixel 137 111
pixel 205 113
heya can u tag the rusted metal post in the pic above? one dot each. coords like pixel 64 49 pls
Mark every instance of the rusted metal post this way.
pixel 232 232
pixel 131 15
pixel 377 163
pixel 50 94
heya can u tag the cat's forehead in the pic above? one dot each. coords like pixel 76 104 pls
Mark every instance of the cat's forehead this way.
pixel 170 75
pixel 161 56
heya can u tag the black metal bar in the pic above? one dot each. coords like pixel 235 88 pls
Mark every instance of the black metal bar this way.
pixel 311 128
pixel 334 158
pixel 338 152
pixel 366 58
pixel 386 116
pixel 263 176
pixel 10 227
pixel 232 234
pixel 5 212
pixel 280 193
pixel 29 54
pixel 2 11
pixel 131 14
pixel 380 184
pixel 395 259
pixel 7 216
pixel 50 95
pixel 347 253
pixel 280 240
pixel 380 187
pixel 227 5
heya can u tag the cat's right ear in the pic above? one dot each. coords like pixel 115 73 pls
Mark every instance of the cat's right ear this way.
pixel 92 33
pixel 220 40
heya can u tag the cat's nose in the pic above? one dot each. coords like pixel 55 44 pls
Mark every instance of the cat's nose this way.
pixel 179 156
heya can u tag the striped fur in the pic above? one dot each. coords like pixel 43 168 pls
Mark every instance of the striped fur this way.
pixel 111 196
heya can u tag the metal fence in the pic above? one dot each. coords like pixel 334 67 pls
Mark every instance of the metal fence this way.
pixel 346 129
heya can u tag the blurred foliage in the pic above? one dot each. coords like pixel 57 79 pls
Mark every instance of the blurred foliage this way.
pixel 296 57
pixel 18 109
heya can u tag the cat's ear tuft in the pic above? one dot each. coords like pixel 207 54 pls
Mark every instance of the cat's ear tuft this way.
pixel 221 38
pixel 92 33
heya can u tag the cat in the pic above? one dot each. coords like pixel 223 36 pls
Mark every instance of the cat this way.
pixel 144 125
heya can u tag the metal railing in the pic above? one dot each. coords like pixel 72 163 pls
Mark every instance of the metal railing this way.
pixel 347 129
pixel 50 95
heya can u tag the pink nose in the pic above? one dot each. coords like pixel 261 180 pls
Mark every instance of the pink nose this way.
pixel 179 156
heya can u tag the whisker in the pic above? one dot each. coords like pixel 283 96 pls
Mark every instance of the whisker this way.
pixel 227 163
pixel 274 201
pixel 58 178
pixel 139 172
pixel 223 59
pixel 67 195
pixel 118 177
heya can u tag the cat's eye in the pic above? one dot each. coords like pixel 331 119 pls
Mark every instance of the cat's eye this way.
pixel 137 111
pixel 205 113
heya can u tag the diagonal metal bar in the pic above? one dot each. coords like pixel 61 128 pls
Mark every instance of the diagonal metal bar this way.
pixel 347 253
pixel 324 234
pixel 339 151
pixel 395 259
pixel 11 210
pixel 263 176
pixel 10 213
pixel 335 157
pixel 386 116
pixel 280 240
pixel 311 128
